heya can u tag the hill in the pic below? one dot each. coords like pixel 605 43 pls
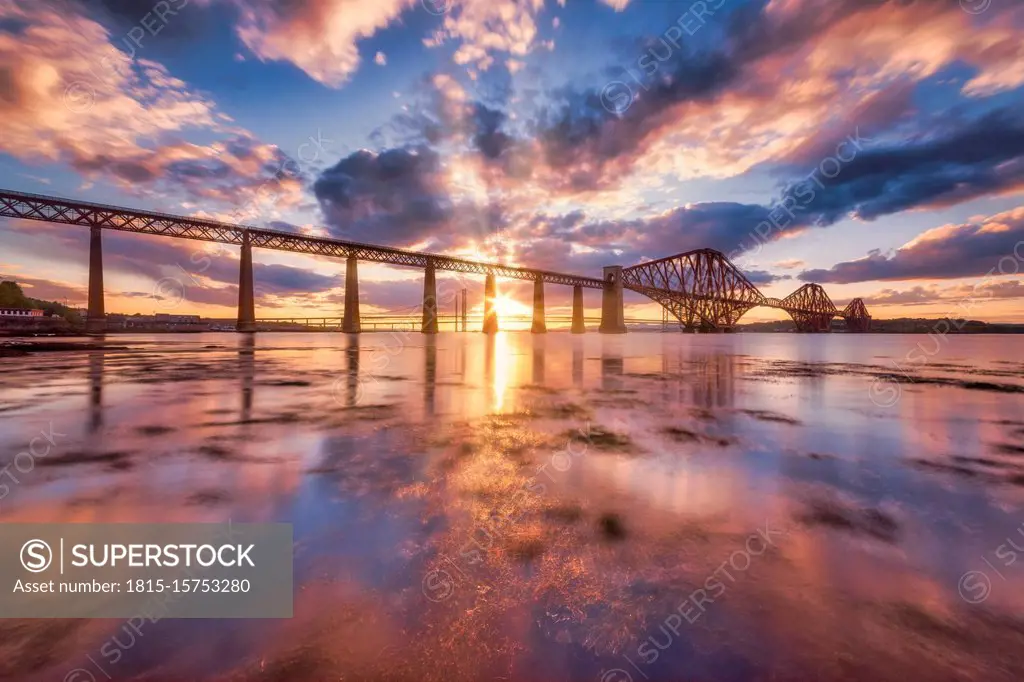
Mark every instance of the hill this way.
pixel 11 296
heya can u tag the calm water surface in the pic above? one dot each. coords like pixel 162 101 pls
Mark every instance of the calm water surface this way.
pixel 645 507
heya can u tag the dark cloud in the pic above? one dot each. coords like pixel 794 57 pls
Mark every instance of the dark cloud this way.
pixel 976 158
pixel 994 246
pixel 400 197
pixel 285 279
pixel 489 138
pixel 765 277
pixel 726 226
pixel 167 25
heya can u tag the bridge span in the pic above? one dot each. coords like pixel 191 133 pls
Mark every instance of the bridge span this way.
pixel 702 289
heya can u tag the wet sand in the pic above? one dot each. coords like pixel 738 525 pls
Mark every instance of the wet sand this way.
pixel 648 507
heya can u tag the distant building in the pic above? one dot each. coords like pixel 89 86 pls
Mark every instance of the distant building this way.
pixel 176 319
pixel 21 312
pixel 158 322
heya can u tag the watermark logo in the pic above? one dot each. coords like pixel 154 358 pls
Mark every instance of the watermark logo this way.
pixel 884 392
pixel 438 585
pixel 438 7
pixel 690 610
pixel 79 97
pixel 36 556
pixel 974 587
pixel 616 97
pixel 975 6
pixel 170 291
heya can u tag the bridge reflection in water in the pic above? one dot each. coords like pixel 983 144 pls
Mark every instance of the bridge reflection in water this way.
pixel 387 451
pixel 702 289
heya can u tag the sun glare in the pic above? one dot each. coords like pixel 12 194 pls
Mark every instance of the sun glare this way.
pixel 509 307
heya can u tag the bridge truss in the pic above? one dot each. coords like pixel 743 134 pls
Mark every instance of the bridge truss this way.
pixel 704 291
pixel 68 212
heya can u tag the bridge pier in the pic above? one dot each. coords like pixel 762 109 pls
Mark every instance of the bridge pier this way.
pixel 429 325
pixel 95 319
pixel 350 322
pixel 613 318
pixel 539 326
pixel 246 302
pixel 578 326
pixel 490 315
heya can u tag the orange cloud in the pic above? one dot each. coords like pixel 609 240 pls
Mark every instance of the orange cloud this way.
pixel 74 97
pixel 318 36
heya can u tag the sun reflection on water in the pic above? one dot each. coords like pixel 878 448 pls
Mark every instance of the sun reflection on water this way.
pixel 501 364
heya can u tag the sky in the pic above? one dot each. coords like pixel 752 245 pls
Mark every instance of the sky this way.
pixel 875 147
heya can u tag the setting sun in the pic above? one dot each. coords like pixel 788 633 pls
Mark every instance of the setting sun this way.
pixel 506 306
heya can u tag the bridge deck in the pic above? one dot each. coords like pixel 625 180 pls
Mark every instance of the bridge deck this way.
pixel 70 212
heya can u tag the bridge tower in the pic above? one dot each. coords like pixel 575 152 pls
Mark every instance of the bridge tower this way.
pixel 613 318
pixel 857 318
pixel 811 309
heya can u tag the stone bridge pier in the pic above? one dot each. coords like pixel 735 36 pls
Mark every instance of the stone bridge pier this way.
pixel 539 325
pixel 246 301
pixel 490 314
pixel 429 324
pixel 95 319
pixel 613 318
pixel 578 325
pixel 350 321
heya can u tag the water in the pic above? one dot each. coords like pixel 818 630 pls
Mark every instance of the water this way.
pixel 645 507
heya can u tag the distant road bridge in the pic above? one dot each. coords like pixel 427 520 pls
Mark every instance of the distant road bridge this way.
pixel 702 289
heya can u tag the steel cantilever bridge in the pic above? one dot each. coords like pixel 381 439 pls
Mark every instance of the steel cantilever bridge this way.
pixel 702 289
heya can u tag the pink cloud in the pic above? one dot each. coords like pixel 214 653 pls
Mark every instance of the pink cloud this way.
pixel 76 98
pixel 318 36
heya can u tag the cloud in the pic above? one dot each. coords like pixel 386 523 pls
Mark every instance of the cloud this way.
pixel 70 96
pixel 761 277
pixel 983 247
pixel 915 296
pixel 47 290
pixel 959 294
pixel 954 163
pixel 717 110
pixel 485 28
pixel 169 23
pixel 400 197
pixel 318 36
pixel 673 108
